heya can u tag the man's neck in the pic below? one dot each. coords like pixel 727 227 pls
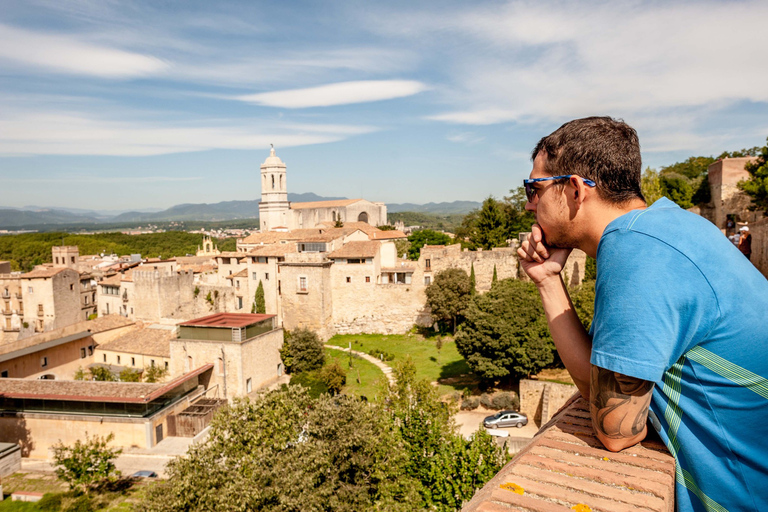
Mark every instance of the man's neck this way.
pixel 601 215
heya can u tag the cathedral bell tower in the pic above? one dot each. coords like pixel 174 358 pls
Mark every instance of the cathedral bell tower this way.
pixel 274 205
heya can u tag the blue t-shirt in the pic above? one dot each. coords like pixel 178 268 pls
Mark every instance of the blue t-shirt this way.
pixel 678 305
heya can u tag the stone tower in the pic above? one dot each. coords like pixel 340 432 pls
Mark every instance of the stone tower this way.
pixel 274 205
pixel 65 256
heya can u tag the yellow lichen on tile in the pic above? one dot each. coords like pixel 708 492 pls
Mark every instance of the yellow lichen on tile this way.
pixel 581 508
pixel 509 486
pixel 606 458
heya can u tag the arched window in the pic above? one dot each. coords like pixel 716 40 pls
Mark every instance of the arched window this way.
pixel 281 182
pixel 334 216
pixel 363 217
pixel 273 182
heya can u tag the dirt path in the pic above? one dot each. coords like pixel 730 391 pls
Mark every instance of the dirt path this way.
pixel 387 370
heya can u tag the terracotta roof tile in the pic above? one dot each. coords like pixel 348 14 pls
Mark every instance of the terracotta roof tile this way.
pixel 363 249
pixel 242 273
pixel 44 272
pixel 323 204
pixel 148 341
pixel 566 465
pixel 273 250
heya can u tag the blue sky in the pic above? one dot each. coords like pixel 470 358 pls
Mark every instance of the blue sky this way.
pixel 128 105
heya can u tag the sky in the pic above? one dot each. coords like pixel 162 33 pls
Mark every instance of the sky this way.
pixel 125 105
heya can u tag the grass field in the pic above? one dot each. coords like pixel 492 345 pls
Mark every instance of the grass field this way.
pixel 445 367
pixel 369 374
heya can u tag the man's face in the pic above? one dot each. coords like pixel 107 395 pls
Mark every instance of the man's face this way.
pixel 550 207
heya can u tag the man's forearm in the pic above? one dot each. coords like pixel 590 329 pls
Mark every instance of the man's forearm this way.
pixel 571 339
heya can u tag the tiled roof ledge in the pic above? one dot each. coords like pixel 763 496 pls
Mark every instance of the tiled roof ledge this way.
pixel 565 466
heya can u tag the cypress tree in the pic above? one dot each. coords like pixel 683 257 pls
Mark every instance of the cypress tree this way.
pixel 472 280
pixel 259 304
pixel 495 277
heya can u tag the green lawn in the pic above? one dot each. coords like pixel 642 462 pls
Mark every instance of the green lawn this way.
pixel 369 374
pixel 444 367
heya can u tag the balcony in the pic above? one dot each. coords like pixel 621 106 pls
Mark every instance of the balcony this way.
pixel 565 467
pixel 8 312
pixel 18 295
pixel 6 294
pixel 40 312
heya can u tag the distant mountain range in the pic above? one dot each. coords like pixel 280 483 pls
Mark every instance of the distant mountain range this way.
pixel 13 218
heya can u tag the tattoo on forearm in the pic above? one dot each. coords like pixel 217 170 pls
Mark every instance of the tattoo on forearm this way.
pixel 619 403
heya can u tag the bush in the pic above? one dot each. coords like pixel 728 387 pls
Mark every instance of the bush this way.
pixel 312 381
pixel 302 351
pixel 129 375
pixel 470 404
pixel 87 464
pixel 485 401
pixel 505 401
pixel 81 504
pixel 334 377
pixel 50 502
pixel 380 354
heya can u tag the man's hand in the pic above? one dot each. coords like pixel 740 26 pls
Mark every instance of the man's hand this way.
pixel 539 260
pixel 619 408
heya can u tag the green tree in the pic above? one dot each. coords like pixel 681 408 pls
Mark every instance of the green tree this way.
pixel 472 279
pixel 288 452
pixel 259 304
pixel 491 228
pixel 81 374
pixel 518 219
pixel 155 373
pixel 448 295
pixel 419 239
pixel 87 464
pixel 334 377
pixel 505 333
pixel 130 375
pixel 651 186
pixel 402 246
pixel 302 351
pixel 583 298
pixel 756 186
pixel 677 188
pixel 102 373
pixel 495 276
pixel 449 468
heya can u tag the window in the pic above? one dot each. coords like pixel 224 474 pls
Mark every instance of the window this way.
pixel 57 260
pixel 237 284
pixel 266 276
pixel 263 259
pixel 302 284
pixel 248 386
pixel 29 289
pixel 43 362
pixel 367 279
pixel 312 247
pixel 133 361
pixel 279 289
pixel 82 353
pixel 166 365
pixel 349 279
pixel 105 358
pixel 255 276
pixel 86 300
pixel 72 258
pixel 90 350
pixel 355 260
pixel 4 374
pixel 239 303
pixel 118 359
pixel 428 263
pixel 71 286
pixel 152 363
pixel 427 280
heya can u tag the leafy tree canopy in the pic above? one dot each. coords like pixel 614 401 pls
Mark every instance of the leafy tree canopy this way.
pixel 448 295
pixel 419 239
pixel 302 351
pixel 756 186
pixel 505 333
pixel 496 222
pixel 87 464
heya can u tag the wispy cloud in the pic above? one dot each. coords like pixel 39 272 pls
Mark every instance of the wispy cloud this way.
pixel 343 93
pixel 466 138
pixel 105 179
pixel 67 54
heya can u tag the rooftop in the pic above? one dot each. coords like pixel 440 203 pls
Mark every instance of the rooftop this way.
pixel 324 204
pixel 566 466
pixel 45 272
pixel 363 249
pixel 148 341
pixel 228 320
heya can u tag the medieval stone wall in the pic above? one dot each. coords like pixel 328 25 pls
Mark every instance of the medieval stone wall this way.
pixel 312 307
pixel 504 259
pixel 539 400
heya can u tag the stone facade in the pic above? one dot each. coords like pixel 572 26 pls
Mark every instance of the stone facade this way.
pixel 276 212
pixel 435 258
pixel 727 199
pixel 539 400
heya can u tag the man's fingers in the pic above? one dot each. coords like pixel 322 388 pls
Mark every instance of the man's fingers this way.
pixel 530 252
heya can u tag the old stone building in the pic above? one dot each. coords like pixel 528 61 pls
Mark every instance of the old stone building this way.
pixel 276 212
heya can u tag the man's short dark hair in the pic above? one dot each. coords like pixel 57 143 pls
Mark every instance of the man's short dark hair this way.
pixel 602 149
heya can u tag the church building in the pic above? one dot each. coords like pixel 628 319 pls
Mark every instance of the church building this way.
pixel 277 213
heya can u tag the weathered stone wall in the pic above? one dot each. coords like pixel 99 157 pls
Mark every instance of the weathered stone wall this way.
pixel 10 462
pixel 759 232
pixel 433 259
pixel 311 308
pixel 62 361
pixel 539 400
pixel 234 363
pixel 727 198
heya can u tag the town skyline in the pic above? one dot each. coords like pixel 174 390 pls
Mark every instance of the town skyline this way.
pixel 133 105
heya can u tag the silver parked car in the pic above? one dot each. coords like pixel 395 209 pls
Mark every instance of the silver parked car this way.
pixel 506 419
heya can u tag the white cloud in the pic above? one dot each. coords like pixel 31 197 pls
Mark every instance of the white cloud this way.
pixel 65 54
pixel 465 138
pixel 342 93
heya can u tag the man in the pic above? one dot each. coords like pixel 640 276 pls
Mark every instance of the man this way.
pixel 679 332
pixel 745 242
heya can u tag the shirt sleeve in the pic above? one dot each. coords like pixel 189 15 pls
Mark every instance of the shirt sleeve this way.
pixel 651 304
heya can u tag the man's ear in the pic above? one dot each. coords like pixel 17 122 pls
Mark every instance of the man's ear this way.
pixel 577 190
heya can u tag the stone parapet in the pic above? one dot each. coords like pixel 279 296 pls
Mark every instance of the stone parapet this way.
pixel 565 468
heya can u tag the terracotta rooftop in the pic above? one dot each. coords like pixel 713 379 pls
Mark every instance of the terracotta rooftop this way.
pixel 273 237
pixel 148 342
pixel 242 273
pixel 366 249
pixel 92 391
pixel 273 250
pixel 231 254
pixel 100 324
pixel 323 204
pixel 44 272
pixel 565 466
pixel 228 320
pixel 113 280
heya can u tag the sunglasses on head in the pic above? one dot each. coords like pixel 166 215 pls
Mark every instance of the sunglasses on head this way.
pixel 530 192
